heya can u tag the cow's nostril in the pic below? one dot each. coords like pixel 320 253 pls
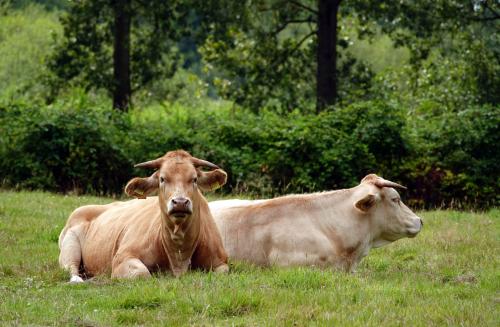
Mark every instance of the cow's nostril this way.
pixel 421 223
pixel 180 205
pixel 180 201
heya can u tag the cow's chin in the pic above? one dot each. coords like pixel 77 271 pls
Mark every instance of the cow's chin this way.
pixel 390 237
pixel 412 233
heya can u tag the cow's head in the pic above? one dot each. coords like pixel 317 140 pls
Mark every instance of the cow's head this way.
pixel 391 219
pixel 178 179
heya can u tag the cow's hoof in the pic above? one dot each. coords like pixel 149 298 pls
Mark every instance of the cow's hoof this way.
pixel 222 269
pixel 75 280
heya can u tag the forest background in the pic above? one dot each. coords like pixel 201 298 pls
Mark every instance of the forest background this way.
pixel 286 96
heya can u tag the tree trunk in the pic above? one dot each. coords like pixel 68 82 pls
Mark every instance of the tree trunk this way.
pixel 121 55
pixel 326 74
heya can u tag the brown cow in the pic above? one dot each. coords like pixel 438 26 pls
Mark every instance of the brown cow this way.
pixel 336 228
pixel 172 231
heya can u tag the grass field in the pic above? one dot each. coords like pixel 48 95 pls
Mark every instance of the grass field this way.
pixel 447 275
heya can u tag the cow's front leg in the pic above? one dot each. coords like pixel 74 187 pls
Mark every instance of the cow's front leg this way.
pixel 129 268
pixel 209 256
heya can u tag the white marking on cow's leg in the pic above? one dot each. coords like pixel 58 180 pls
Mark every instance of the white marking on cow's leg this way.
pixel 130 268
pixel 222 269
pixel 71 254
pixel 75 279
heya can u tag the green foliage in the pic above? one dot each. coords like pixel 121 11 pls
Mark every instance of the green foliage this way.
pixel 263 70
pixel 25 40
pixel 269 155
pixel 48 4
pixel 463 72
pixel 84 55
pixel 423 25
pixel 458 157
pixel 431 124
pixel 444 159
pixel 264 59
pixel 62 149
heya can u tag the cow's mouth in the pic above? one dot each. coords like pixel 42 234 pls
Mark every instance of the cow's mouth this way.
pixel 179 214
pixel 412 234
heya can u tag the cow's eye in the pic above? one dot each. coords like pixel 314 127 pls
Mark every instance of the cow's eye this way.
pixel 162 180
pixel 396 200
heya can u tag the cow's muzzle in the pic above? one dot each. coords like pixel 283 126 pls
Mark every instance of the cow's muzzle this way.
pixel 180 207
pixel 414 231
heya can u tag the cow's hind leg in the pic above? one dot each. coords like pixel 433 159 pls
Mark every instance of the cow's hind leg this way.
pixel 71 254
pixel 129 268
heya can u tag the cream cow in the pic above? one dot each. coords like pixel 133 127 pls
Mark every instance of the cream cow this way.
pixel 335 228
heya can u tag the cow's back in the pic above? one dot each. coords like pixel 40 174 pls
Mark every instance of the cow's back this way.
pixel 82 216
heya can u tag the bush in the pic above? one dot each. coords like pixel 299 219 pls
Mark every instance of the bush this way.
pixel 268 154
pixel 455 159
pixel 62 150
pixel 444 158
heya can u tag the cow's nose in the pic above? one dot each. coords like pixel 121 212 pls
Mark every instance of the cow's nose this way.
pixel 180 201
pixel 180 207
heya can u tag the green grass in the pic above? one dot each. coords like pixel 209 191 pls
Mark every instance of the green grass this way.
pixel 448 275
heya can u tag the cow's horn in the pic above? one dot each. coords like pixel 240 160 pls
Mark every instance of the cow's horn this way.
pixel 150 164
pixel 385 183
pixel 198 162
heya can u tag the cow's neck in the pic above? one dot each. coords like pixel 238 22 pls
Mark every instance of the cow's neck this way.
pixel 180 241
pixel 338 218
pixel 332 208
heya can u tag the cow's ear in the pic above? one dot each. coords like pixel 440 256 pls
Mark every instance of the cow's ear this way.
pixel 211 180
pixel 141 187
pixel 367 202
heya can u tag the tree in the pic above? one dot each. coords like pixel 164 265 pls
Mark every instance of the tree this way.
pixel 122 90
pixel 264 27
pixel 118 45
pixel 272 47
pixel 326 77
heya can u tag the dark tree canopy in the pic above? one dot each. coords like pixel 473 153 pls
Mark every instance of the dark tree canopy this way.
pixel 289 50
pixel 118 45
pixel 265 53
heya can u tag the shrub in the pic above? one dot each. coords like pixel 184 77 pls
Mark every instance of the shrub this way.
pixel 62 150
pixel 444 158
pixel 455 159
pixel 269 154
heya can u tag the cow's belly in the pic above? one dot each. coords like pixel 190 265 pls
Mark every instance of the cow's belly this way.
pixel 97 250
pixel 302 251
pixel 300 258
pixel 247 247
pixel 280 247
pixel 97 259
